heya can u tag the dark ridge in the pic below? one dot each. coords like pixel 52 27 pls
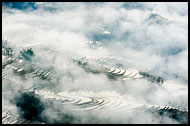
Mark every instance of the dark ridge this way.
pixel 27 54
pixel 181 116
pixel 30 107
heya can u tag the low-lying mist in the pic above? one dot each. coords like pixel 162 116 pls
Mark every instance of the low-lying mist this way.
pixel 149 37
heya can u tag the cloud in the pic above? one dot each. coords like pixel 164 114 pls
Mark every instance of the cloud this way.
pixel 150 37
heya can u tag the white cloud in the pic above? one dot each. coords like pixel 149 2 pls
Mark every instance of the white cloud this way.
pixel 144 45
